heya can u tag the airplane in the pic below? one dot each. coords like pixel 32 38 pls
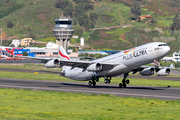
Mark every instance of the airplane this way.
pixel 124 62
pixel 3 57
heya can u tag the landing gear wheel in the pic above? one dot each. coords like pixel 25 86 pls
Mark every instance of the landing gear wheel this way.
pixel 127 81
pixel 124 81
pixel 89 83
pixel 120 85
pixel 94 83
pixel 109 81
pixel 124 85
pixel 97 80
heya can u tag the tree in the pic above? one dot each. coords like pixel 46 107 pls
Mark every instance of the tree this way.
pixel 88 6
pixel 68 10
pixel 176 23
pixel 91 25
pixel 61 4
pixel 86 23
pixel 10 24
pixel 29 29
pixel 136 10
pixel 11 45
pixel 153 21
pixel 93 17
pixel 32 36
pixel 25 54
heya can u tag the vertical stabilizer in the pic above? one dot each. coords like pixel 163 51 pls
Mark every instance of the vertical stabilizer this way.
pixel 171 66
pixel 62 53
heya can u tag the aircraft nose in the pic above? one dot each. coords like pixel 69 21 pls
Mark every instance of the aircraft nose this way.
pixel 166 49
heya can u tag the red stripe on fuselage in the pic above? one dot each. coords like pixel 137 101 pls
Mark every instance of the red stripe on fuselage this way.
pixel 129 50
pixel 64 55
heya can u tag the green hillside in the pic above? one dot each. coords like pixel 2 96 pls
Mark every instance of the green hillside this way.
pixel 35 18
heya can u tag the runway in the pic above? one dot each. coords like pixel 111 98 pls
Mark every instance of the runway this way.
pixel 113 89
pixel 20 61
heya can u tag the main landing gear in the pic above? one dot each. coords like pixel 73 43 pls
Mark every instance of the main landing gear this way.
pixel 93 82
pixel 107 80
pixel 124 81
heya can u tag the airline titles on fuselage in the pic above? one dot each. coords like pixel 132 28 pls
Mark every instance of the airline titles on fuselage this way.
pixel 134 54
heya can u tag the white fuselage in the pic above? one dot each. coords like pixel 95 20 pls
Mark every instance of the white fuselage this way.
pixel 124 61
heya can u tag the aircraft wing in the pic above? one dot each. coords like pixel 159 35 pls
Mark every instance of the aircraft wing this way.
pixel 37 58
pixel 83 64
pixel 54 72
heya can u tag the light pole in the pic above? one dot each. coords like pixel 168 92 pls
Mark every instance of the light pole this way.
pixel 1 40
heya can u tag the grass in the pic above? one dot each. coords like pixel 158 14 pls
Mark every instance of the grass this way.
pixel 35 18
pixel 109 14
pixel 118 32
pixel 9 10
pixel 28 66
pixel 27 104
pixel 39 45
pixel 164 23
pixel 85 35
pixel 48 39
pixel 54 77
pixel 22 66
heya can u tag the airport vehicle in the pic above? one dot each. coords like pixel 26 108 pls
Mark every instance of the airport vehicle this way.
pixel 130 60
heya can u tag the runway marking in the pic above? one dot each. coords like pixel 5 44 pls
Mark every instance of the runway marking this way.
pixel 97 92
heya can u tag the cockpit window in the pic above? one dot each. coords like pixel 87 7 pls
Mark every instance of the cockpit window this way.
pixel 162 45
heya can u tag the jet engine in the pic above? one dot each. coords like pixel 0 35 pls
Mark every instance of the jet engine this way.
pixel 147 72
pixel 52 63
pixel 164 72
pixel 94 67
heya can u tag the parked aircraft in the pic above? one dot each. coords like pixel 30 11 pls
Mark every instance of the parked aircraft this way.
pixel 3 57
pixel 124 62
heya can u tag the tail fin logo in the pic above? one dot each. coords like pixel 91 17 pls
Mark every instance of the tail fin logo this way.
pixel 62 55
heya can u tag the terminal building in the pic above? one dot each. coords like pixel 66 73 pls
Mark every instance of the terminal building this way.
pixel 63 31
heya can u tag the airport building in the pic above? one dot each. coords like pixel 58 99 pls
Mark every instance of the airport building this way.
pixel 63 31
pixel 27 41
pixel 176 56
pixel 15 42
pixel 51 45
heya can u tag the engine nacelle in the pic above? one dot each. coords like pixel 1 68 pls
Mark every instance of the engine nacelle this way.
pixel 94 67
pixel 164 72
pixel 147 72
pixel 52 63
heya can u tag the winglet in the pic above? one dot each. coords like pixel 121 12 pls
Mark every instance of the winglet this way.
pixel 62 53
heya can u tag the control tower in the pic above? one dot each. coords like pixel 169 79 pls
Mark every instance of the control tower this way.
pixel 63 31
